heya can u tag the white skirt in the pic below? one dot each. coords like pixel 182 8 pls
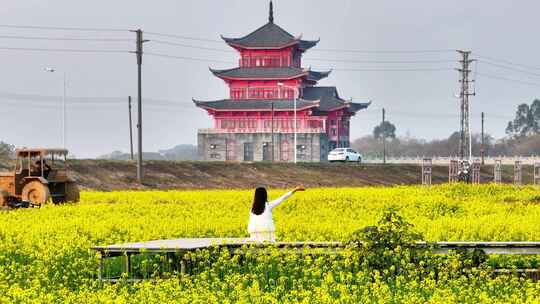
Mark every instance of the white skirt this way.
pixel 266 236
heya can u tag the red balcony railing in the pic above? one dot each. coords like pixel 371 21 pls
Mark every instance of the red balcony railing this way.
pixel 261 130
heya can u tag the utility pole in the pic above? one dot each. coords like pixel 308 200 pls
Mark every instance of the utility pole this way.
pixel 296 96
pixel 139 53
pixel 130 129
pixel 482 147
pixel 383 135
pixel 64 113
pixel 465 147
pixel 273 132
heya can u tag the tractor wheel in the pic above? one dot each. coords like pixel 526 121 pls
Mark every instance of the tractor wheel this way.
pixel 4 197
pixel 36 193
pixel 72 193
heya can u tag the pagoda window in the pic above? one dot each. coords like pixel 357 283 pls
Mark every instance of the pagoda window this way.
pixel 288 94
pixel 267 124
pixel 238 94
pixel 286 124
pixel 227 124
pixel 332 122
pixel 253 93
pixel 270 61
pixel 264 61
pixel 315 124
pixel 263 93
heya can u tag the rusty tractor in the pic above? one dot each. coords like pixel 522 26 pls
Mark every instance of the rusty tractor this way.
pixel 40 176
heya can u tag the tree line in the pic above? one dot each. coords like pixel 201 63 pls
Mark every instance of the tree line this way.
pixel 6 150
pixel 522 138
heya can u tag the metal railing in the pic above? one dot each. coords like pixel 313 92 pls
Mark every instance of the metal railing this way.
pixel 176 249
pixel 261 130
pixel 444 160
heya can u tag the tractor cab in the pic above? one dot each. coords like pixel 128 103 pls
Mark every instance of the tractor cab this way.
pixel 47 164
pixel 40 175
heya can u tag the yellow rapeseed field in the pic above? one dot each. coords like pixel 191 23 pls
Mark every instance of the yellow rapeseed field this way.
pixel 45 254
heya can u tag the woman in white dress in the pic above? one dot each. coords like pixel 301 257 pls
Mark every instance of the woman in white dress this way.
pixel 261 224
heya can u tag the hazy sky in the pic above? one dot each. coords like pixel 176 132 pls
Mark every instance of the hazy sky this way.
pixel 421 103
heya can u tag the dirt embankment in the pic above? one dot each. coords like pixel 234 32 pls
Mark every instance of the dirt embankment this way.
pixel 119 175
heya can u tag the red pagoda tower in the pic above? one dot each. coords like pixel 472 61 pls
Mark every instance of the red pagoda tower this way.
pixel 268 91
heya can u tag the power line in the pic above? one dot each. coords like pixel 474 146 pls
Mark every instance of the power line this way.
pixel 48 102
pixel 433 115
pixel 321 50
pixel 60 50
pixel 313 59
pixel 64 38
pixel 394 70
pixel 207 48
pixel 509 79
pixel 183 37
pixel 84 107
pixel 83 29
pixel 384 51
pixel 186 58
pixel 190 46
pixel 379 61
pixel 508 67
pixel 12 97
pixel 508 62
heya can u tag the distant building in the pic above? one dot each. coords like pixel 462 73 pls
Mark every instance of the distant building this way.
pixel 256 122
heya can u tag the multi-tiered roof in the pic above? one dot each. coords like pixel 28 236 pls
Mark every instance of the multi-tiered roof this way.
pixel 271 37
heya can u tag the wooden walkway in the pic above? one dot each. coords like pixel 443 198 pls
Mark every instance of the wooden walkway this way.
pixel 179 247
pixel 182 245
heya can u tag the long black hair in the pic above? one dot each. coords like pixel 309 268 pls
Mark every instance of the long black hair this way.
pixel 259 201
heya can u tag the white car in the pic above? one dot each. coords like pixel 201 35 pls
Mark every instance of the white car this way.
pixel 344 155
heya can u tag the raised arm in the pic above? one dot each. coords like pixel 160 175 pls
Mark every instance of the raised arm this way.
pixel 282 198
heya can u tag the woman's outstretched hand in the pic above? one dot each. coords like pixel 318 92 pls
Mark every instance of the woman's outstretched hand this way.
pixel 299 188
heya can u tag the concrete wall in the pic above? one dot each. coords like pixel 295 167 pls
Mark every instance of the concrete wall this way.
pixel 312 147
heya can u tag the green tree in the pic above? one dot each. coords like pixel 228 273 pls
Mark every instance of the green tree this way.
pixel 526 121
pixel 390 247
pixel 386 129
pixel 6 150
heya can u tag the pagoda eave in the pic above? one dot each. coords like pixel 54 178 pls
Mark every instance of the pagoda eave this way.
pixel 263 78
pixel 355 107
pixel 271 74
pixel 305 45
pixel 239 46
pixel 255 105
